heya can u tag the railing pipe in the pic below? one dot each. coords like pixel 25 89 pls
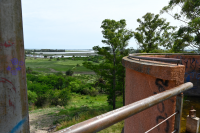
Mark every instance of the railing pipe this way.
pixel 171 60
pixel 105 120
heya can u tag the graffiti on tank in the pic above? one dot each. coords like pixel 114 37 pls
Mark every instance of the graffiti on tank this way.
pixel 11 104
pixel 7 44
pixel 4 80
pixel 11 91
pixel 167 122
pixel 193 77
pixel 161 107
pixel 18 125
pixel 191 64
pixel 192 70
pixel 17 66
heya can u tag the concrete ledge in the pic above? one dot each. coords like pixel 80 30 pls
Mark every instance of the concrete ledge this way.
pixel 155 68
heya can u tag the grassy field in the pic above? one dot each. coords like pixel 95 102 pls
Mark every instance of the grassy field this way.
pixel 80 108
pixel 53 65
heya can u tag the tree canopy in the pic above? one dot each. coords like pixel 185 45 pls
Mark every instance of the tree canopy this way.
pixel 116 37
pixel 152 32
pixel 189 34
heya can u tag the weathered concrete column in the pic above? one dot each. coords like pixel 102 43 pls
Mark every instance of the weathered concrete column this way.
pixel 146 78
pixel 13 90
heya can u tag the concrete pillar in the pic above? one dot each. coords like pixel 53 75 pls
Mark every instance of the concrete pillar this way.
pixel 144 79
pixel 13 90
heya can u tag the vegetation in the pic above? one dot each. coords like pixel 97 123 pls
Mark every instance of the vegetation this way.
pixel 188 35
pixel 116 38
pixel 153 32
pixel 54 65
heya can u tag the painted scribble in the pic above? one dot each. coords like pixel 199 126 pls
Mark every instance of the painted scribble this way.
pixel 7 44
pixel 10 99
pixel 11 104
pixel 16 66
pixel 4 80
pixel 14 61
pixel 192 70
pixel 161 107
pixel 167 122
pixel 18 125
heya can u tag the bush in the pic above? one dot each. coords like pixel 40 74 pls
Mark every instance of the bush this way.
pixel 34 72
pixel 85 91
pixel 59 74
pixel 51 57
pixel 96 60
pixel 93 92
pixel 75 86
pixel 69 72
pixel 58 97
pixel 32 97
pixel 78 65
pixel 58 58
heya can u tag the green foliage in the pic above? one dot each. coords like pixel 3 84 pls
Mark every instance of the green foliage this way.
pixel 152 32
pixel 58 97
pixel 59 73
pixel 69 72
pixel 188 35
pixel 32 97
pixel 42 84
pixel 116 38
pixel 75 86
pixel 29 70
pixel 93 92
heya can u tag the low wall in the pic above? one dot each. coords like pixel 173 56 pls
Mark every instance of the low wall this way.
pixel 146 78
pixel 192 71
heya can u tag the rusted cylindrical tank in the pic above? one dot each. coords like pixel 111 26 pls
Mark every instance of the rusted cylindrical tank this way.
pixel 145 78
pixel 13 90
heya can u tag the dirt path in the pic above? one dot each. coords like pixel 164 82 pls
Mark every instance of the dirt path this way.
pixel 41 120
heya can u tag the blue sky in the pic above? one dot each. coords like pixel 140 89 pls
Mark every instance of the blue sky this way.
pixel 75 24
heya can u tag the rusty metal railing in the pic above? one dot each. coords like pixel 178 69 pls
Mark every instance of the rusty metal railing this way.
pixel 169 60
pixel 105 120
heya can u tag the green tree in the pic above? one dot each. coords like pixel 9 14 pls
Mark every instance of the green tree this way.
pixel 152 32
pixel 69 72
pixel 189 34
pixel 116 37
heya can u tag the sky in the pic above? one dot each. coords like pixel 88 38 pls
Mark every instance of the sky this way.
pixel 75 24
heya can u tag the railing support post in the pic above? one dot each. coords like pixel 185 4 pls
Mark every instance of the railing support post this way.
pixel 179 107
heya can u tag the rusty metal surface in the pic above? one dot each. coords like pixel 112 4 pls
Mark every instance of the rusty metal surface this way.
pixel 170 60
pixel 179 108
pixel 105 120
pixel 161 122
pixel 13 91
